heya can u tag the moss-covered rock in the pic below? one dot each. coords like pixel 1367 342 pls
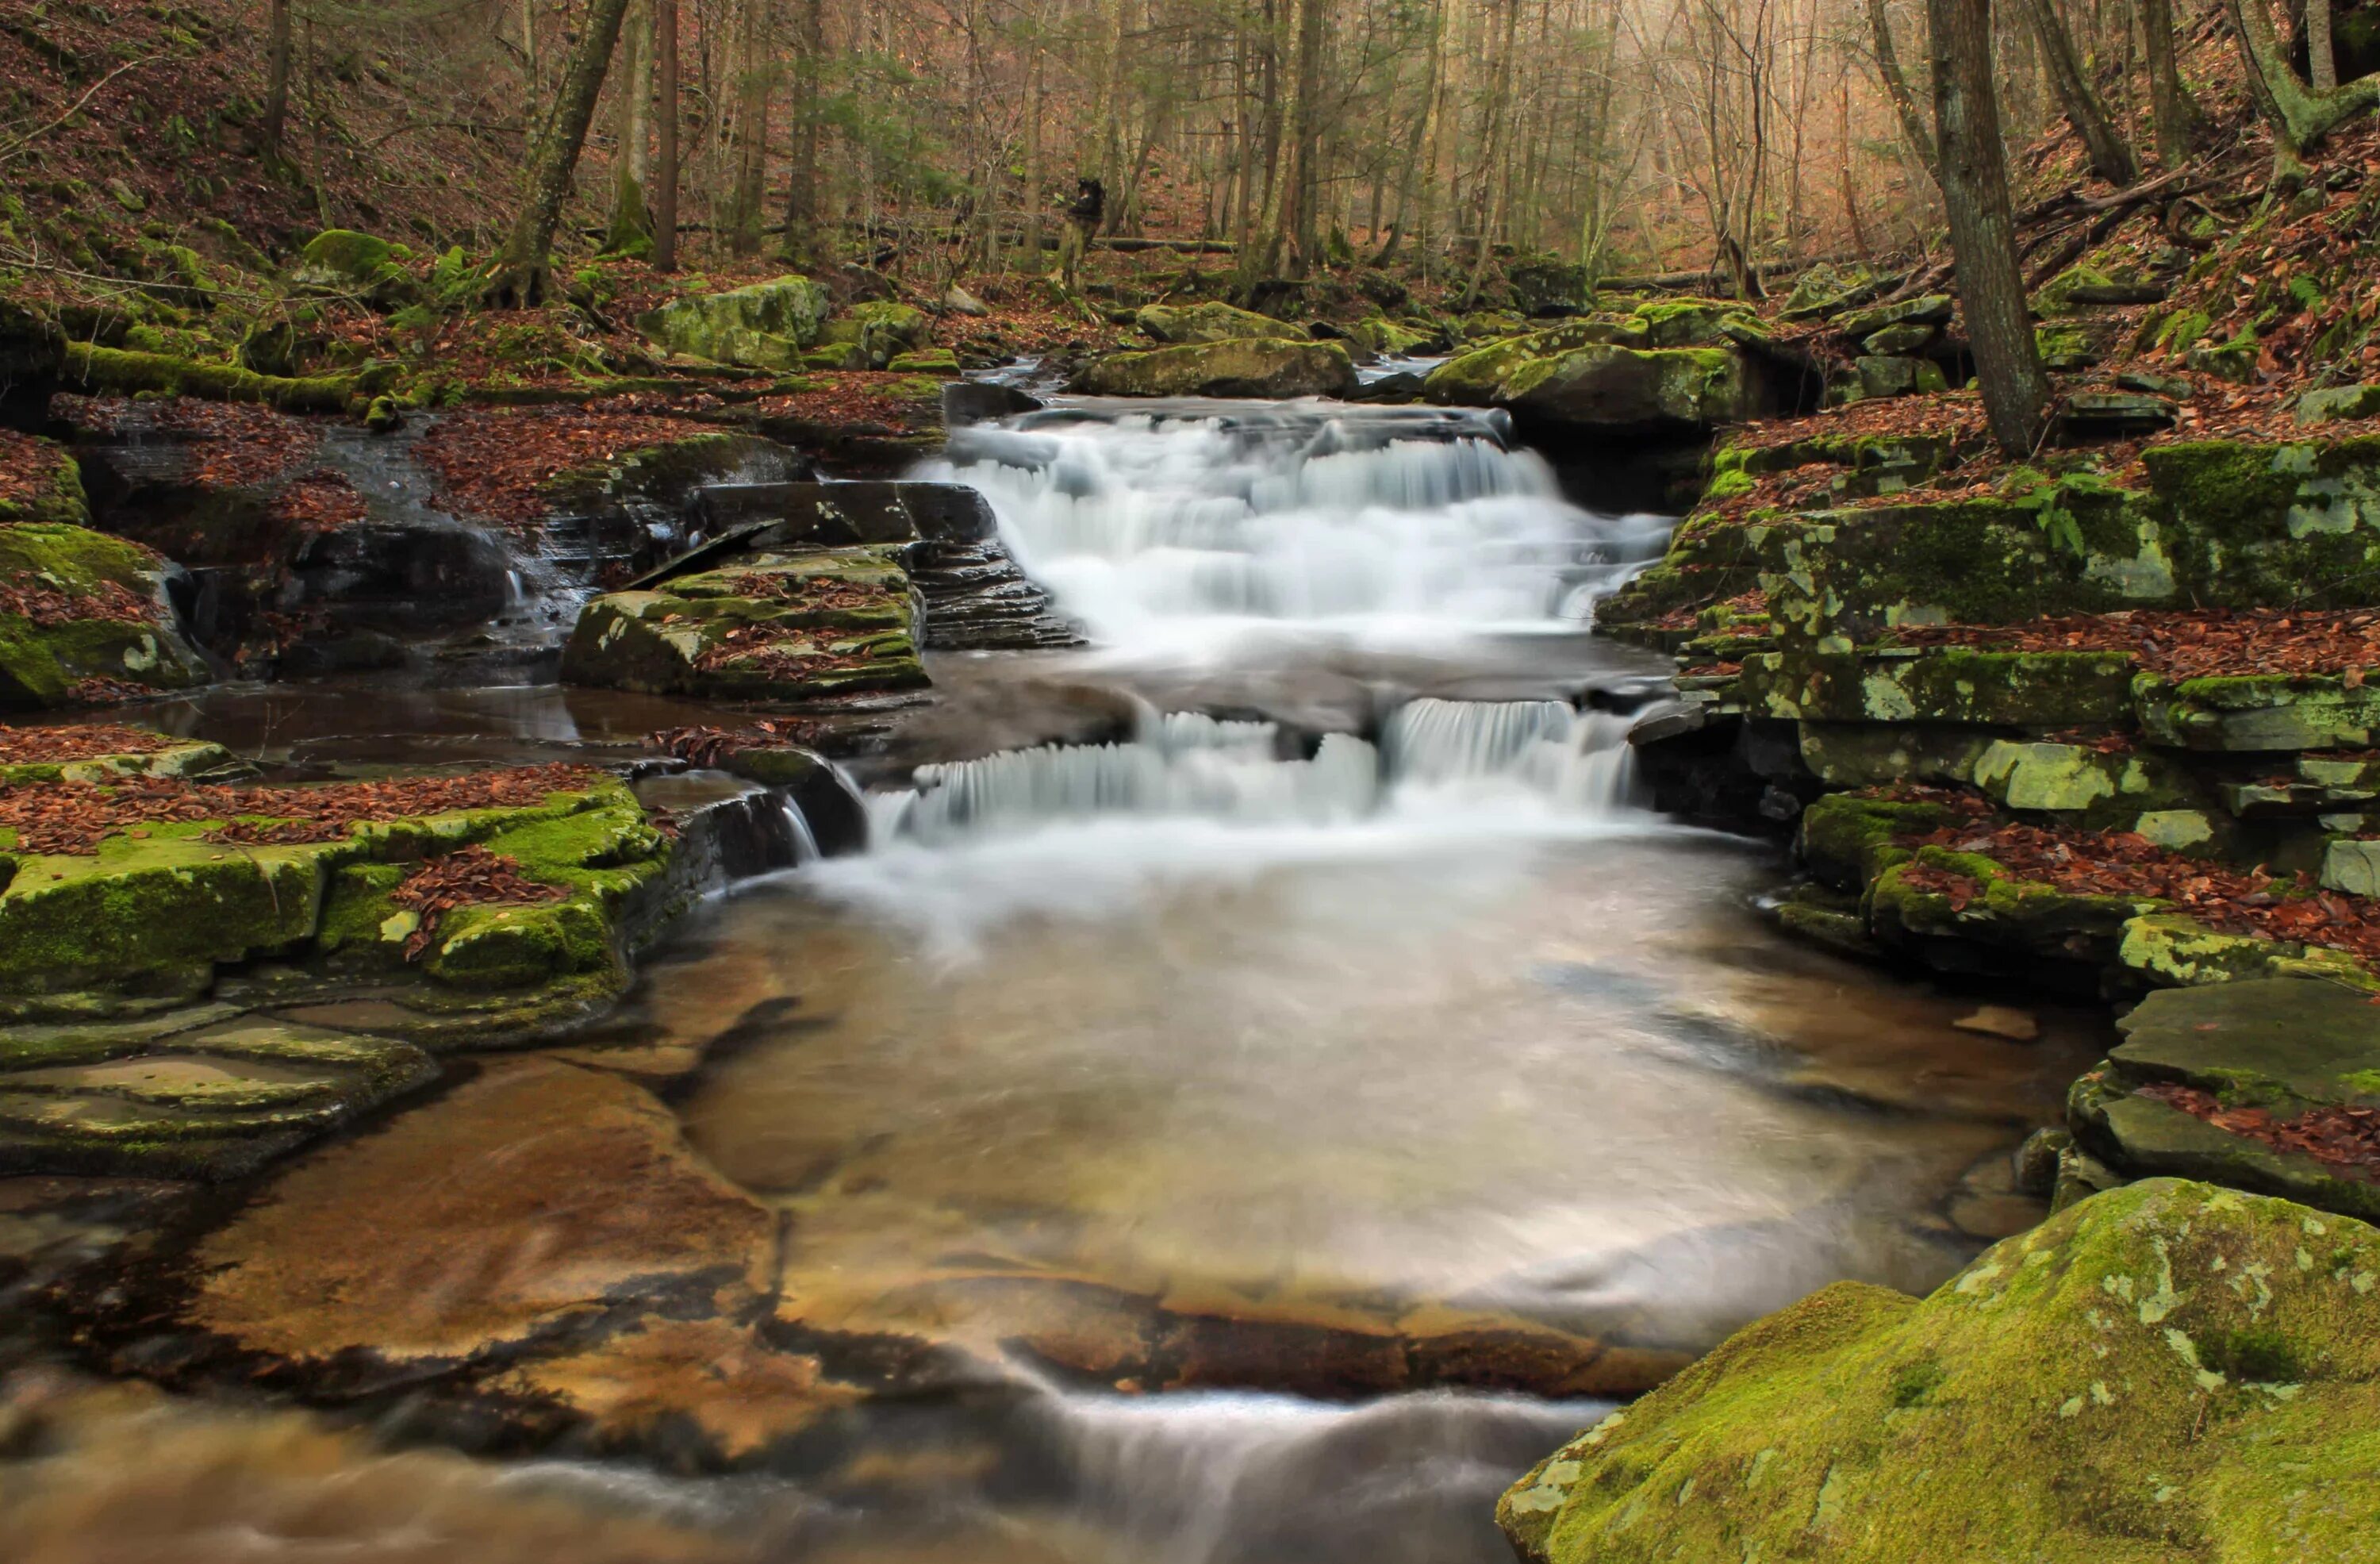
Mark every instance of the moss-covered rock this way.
pixel 54 483
pixel 2283 1047
pixel 126 373
pixel 98 612
pixel 2092 787
pixel 1826 289
pixel 2167 1370
pixel 342 262
pixel 1601 384
pixel 1211 322
pixel 766 326
pixel 1237 367
pixel 872 334
pixel 2292 524
pixel 2259 711
pixel 190 757
pixel 2173 949
pixel 2000 922
pixel 768 627
pixel 1947 684
pixel 1932 309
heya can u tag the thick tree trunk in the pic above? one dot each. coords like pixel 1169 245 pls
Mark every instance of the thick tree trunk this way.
pixel 522 276
pixel 1914 127
pixel 802 245
pixel 1301 224
pixel 1983 230
pixel 2300 117
pixel 2111 157
pixel 276 79
pixel 631 229
pixel 665 154
pixel 2171 111
pixel 2322 59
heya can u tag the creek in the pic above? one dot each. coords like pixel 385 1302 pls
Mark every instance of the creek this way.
pixel 1314 1099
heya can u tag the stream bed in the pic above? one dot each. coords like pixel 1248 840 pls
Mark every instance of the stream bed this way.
pixel 1307 1099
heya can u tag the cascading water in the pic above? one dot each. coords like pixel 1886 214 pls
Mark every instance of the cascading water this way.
pixel 1194 523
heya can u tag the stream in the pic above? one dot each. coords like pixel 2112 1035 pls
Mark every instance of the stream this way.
pixel 1321 1096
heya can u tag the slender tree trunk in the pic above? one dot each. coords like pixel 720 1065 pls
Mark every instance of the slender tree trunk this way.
pixel 1035 197
pixel 2322 59
pixel 1914 127
pixel 1491 210
pixel 1983 230
pixel 751 129
pixel 522 277
pixel 2172 112
pixel 631 228
pixel 665 169
pixel 1302 221
pixel 276 79
pixel 2111 157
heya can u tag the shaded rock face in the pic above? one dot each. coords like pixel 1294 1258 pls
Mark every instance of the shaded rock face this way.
pixel 765 626
pixel 766 326
pixel 2170 1370
pixel 2260 1066
pixel 1263 367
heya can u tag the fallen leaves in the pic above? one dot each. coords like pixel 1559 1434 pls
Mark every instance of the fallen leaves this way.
pixel 708 747
pixel 29 470
pixel 2190 643
pixel 46 607
pixel 468 876
pixel 496 463
pixel 2346 1139
pixel 72 817
pixel 33 746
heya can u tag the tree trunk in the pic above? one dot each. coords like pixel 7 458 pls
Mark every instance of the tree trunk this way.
pixel 1983 230
pixel 751 130
pixel 2111 157
pixel 665 150
pixel 2322 59
pixel 522 277
pixel 1895 86
pixel 802 246
pixel 1418 135
pixel 1036 198
pixel 1301 221
pixel 276 81
pixel 2172 112
pixel 2300 117
pixel 631 229
pixel 1491 210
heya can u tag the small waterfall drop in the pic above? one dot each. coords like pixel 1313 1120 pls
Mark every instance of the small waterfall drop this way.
pixel 1154 527
pixel 798 835
pixel 1580 760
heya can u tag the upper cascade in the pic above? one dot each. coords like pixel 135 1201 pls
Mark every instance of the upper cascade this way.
pixel 1155 524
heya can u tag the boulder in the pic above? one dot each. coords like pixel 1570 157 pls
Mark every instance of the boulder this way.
pixel 1547 285
pixel 1211 322
pixel 80 611
pixel 2253 1083
pixel 760 626
pixel 1906 338
pixel 872 336
pixel 2168 1370
pixel 1601 384
pixel 1931 308
pixel 340 263
pixel 2337 403
pixel 766 326
pixel 1827 290
pixel 1263 367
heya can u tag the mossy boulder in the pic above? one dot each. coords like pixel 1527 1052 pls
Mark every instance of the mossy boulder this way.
pixel 98 612
pixel 55 487
pixel 1947 684
pixel 2090 787
pixel 768 627
pixel 2173 949
pixel 1390 338
pixel 1930 308
pixel 1601 386
pixel 1826 289
pixel 188 757
pixel 872 334
pixel 2295 523
pixel 2259 711
pixel 1211 322
pixel 2278 1048
pixel 766 326
pixel 2000 922
pixel 342 262
pixel 2167 1370
pixel 1265 367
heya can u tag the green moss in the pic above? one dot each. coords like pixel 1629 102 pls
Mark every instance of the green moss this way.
pixel 126 374
pixel 2079 1418
pixel 1239 366
pixel 766 326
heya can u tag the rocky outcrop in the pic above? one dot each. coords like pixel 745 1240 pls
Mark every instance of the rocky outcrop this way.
pixel 2256 1084
pixel 1211 322
pixel 1265 367
pixel 86 617
pixel 1673 368
pixel 2168 1370
pixel 767 325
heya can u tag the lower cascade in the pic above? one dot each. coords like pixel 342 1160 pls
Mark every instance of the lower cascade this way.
pixel 1184 763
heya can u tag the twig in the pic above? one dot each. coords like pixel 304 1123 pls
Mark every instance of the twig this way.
pixel 30 137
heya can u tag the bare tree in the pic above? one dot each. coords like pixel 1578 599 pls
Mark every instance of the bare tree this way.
pixel 2111 155
pixel 665 171
pixel 1982 229
pixel 523 272
pixel 2300 117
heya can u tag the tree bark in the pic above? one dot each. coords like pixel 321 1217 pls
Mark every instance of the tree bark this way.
pixel 1919 135
pixel 751 129
pixel 2322 59
pixel 2111 157
pixel 522 277
pixel 276 79
pixel 802 245
pixel 631 229
pixel 1983 231
pixel 2300 117
pixel 666 150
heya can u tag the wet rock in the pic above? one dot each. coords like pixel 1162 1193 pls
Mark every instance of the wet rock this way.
pixel 185 1095
pixel 763 627
pixel 874 334
pixel 977 401
pixel 2171 1366
pixel 1602 385
pixel 767 325
pixel 1211 322
pixel 2001 1020
pixel 1265 367
pixel 2284 1049
pixel 2263 713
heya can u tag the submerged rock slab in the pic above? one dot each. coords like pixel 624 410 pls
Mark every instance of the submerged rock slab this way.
pixel 2170 1370
pixel 2235 1082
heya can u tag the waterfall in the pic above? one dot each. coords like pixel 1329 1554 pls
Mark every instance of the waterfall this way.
pixel 1149 527
pixel 798 835
pixel 1185 764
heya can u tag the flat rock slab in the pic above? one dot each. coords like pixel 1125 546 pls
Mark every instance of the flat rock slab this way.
pixel 202 1092
pixel 2247 1083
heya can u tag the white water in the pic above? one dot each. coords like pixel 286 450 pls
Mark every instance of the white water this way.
pixel 1192 528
